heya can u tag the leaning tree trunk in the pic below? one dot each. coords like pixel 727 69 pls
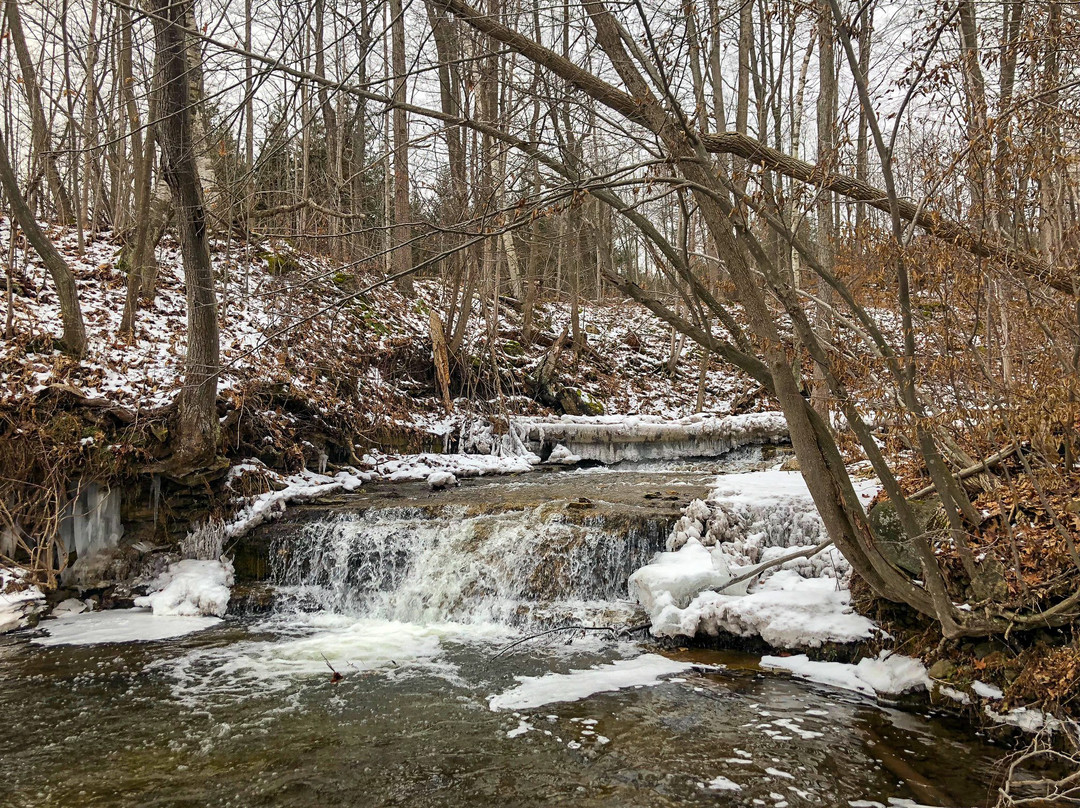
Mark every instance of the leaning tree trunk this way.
pixel 196 438
pixel 70 312
pixel 39 126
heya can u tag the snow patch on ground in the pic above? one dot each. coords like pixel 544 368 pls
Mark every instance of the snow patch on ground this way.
pixel 119 625
pixel 536 691
pixel 190 588
pixel 748 520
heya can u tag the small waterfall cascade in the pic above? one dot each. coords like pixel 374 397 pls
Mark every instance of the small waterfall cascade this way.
pixel 532 566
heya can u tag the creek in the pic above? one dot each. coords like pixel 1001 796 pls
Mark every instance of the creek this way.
pixel 409 594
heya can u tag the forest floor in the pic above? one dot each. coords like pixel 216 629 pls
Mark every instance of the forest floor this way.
pixel 307 355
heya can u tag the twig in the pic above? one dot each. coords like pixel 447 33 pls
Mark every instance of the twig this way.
pixel 614 630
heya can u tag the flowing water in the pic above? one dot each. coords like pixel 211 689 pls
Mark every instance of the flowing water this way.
pixel 409 598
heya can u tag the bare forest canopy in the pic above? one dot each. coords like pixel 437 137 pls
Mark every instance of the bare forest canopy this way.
pixel 867 207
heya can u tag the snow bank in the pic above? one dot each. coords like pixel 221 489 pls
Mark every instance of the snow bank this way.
pixel 750 519
pixel 536 691
pixel 885 675
pixel 615 438
pixel 191 588
pixel 119 625
pixel 19 600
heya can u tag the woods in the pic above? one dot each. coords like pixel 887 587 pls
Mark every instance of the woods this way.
pixel 869 210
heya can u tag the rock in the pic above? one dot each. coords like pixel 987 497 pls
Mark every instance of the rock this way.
pixel 578 402
pixel 942 669
pixel 438 480
pixel 890 534
pixel 69 608
pixel 989 581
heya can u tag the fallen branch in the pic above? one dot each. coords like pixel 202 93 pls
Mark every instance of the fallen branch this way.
pixel 776 562
pixel 971 471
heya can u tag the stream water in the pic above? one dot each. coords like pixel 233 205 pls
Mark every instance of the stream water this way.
pixel 411 599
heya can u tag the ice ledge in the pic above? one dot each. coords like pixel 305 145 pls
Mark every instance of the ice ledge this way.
pixel 612 439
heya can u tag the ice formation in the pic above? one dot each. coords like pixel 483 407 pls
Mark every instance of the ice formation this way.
pixel 191 588
pixel 750 519
pixel 886 675
pixel 614 438
pixel 119 625
pixel 536 691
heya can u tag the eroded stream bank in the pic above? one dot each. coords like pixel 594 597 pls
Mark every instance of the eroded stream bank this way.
pixel 409 595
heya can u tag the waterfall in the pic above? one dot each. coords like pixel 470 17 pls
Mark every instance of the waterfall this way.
pixel 532 566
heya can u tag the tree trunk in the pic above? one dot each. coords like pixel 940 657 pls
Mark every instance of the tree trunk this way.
pixel 196 438
pixel 70 312
pixel 38 125
pixel 402 255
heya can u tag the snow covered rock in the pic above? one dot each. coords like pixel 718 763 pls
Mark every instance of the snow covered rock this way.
pixel 191 588
pixel 19 600
pixel 441 479
pixel 562 456
pixel 69 608
pixel 673 580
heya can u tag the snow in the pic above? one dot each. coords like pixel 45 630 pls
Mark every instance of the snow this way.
pixel 522 727
pixel 674 579
pixel 536 691
pixel 191 588
pixel 305 485
pixel 750 519
pixel 885 675
pixel 986 691
pixel 1027 719
pixel 407 468
pixel 19 600
pixel 787 611
pixel 119 626
pixel 440 479
pixel 562 456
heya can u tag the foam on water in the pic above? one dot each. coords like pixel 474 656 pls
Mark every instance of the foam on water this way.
pixel 299 647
